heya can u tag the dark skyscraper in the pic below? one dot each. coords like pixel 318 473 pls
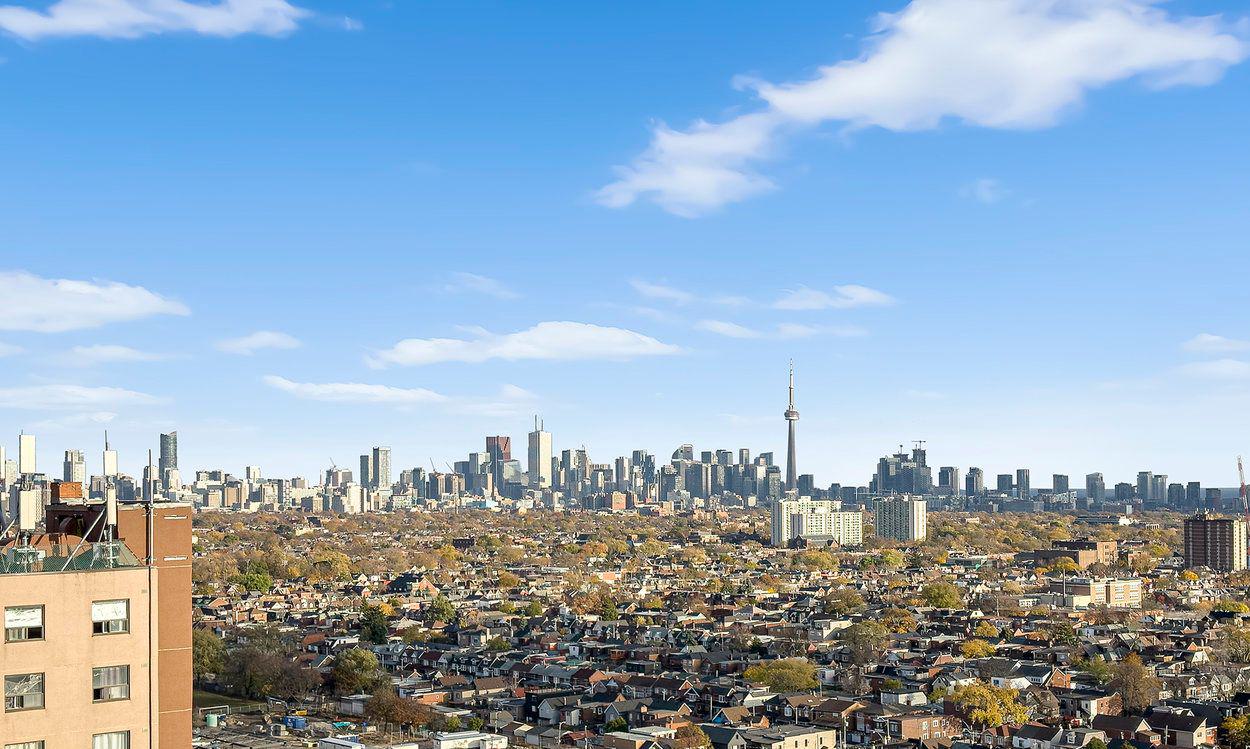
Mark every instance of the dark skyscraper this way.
pixel 169 452
pixel 974 485
pixel 792 415
pixel 499 450
pixel 1022 483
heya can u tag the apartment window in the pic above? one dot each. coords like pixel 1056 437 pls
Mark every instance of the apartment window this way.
pixel 23 692
pixel 23 623
pixel 25 745
pixel 110 617
pixel 110 683
pixel 114 740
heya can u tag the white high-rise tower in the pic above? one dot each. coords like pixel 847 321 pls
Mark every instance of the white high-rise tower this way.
pixel 792 416
pixel 539 456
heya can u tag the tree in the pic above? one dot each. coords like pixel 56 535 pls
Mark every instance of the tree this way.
pixel 975 648
pixel 533 609
pixel 985 630
pixel 1063 633
pixel 385 706
pixel 264 666
pixel 1237 731
pixel 607 610
pixel 1136 684
pixel 865 640
pixel 1095 667
pixel 497 645
pixel 691 736
pixel 1065 565
pixel 373 624
pixel 508 580
pixel 355 671
pixel 788 675
pixel 843 601
pixel 616 724
pixel 1230 606
pixel 988 706
pixel 440 610
pixel 942 595
pixel 898 620
pixel 1096 743
pixel 208 654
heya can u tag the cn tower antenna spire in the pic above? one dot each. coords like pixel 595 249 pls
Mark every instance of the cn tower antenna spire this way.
pixel 792 415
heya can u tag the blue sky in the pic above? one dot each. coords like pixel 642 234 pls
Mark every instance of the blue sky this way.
pixel 1014 229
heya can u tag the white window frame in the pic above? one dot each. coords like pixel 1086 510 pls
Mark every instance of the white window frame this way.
pixel 38 744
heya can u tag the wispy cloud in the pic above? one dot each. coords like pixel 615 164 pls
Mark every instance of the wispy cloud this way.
pixel 130 19
pixel 728 329
pixel 969 61
pixel 843 297
pixel 985 190
pixel 258 341
pixel 472 282
pixel 782 330
pixel 89 356
pixel 547 340
pixel 1218 369
pixel 662 291
pixel 55 305
pixel 353 392
pixel 1215 344
pixel 7 349
pixel 51 397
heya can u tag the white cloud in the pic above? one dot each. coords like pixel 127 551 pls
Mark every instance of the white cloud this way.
pixel 87 356
pixel 1006 64
pixel 44 397
pixel 353 392
pixel 783 330
pixel 516 392
pixel 1218 369
pixel 727 329
pixel 985 190
pixel 1209 343
pixel 54 305
pixel 661 291
pixel 472 282
pixel 843 297
pixel 130 19
pixel 261 339
pixel 7 349
pixel 546 340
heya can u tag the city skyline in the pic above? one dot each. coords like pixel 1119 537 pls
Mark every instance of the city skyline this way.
pixel 389 254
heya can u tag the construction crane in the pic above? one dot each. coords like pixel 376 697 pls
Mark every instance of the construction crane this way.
pixel 1245 499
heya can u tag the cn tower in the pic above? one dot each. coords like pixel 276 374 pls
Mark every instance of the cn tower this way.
pixel 792 415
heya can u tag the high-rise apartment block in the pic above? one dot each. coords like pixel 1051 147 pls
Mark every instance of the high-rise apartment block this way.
pixel 804 518
pixel 97 620
pixel 901 518
pixel 1215 542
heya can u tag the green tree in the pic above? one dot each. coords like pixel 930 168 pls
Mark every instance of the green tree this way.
pixel 373 625
pixel 355 671
pixel 208 654
pixel 788 675
pixel 497 645
pixel 1095 667
pixel 988 706
pixel 440 610
pixel 942 595
pixel 533 609
pixel 614 725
